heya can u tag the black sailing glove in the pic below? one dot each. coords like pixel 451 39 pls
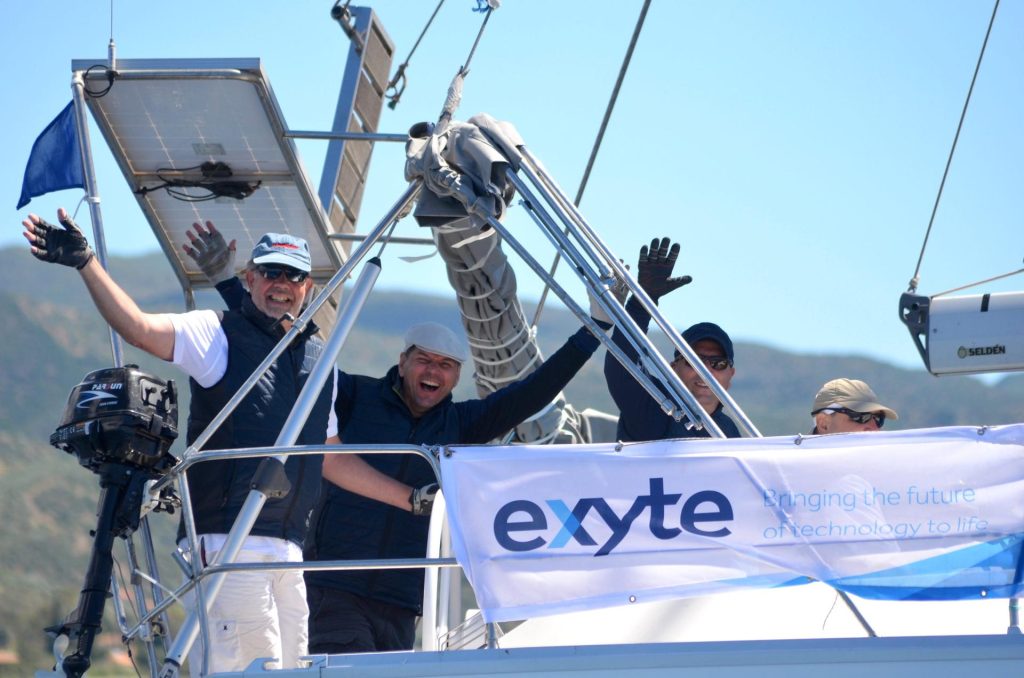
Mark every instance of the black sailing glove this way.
pixel 654 268
pixel 212 254
pixel 66 246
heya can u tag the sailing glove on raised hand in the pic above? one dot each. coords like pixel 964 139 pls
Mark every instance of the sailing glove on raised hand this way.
pixel 66 246
pixel 214 256
pixel 422 499
pixel 654 269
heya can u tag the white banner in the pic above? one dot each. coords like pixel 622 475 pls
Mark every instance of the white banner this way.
pixel 921 514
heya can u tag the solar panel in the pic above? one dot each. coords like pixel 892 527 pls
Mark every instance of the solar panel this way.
pixel 164 119
pixel 359 107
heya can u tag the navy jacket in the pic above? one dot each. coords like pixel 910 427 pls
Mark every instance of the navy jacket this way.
pixel 348 526
pixel 219 488
pixel 640 416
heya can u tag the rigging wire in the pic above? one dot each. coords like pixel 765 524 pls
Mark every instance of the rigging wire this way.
pixel 487 11
pixel 949 161
pixel 454 96
pixel 136 608
pixel 108 67
pixel 980 282
pixel 386 237
pixel 399 77
pixel 597 146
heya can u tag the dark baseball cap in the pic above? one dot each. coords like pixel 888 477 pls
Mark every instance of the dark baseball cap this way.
pixel 701 331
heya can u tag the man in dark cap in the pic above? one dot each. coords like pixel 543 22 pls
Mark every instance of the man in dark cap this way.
pixel 640 416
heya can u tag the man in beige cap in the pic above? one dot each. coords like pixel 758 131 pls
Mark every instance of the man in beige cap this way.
pixel 848 405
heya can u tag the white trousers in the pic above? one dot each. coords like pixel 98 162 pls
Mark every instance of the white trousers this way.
pixel 256 614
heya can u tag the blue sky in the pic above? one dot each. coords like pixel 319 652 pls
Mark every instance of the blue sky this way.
pixel 793 148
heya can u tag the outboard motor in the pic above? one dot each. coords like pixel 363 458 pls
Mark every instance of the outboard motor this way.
pixel 120 422
pixel 122 415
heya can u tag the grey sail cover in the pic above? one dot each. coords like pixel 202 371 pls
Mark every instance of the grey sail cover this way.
pixel 463 170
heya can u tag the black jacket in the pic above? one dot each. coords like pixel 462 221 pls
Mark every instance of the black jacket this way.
pixel 640 416
pixel 348 526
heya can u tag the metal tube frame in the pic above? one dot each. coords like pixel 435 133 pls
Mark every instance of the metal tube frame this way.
pixel 140 604
pixel 297 327
pixel 116 345
pixel 677 396
pixel 156 591
pixel 398 240
pixel 427 454
pixel 678 401
pixel 92 196
pixel 347 136
pixel 576 225
pixel 429 625
pixel 536 172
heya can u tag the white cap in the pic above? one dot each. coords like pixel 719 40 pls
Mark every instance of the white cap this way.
pixel 435 338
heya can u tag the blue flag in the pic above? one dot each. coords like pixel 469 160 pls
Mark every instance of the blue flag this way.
pixel 55 162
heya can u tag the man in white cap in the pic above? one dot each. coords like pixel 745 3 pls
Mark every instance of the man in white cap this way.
pixel 378 506
pixel 376 610
pixel 848 405
pixel 257 614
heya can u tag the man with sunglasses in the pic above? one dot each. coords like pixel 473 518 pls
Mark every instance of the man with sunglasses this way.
pixel 257 613
pixel 640 416
pixel 846 406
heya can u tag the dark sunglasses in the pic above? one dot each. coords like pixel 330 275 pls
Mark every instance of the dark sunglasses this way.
pixel 861 417
pixel 714 362
pixel 274 272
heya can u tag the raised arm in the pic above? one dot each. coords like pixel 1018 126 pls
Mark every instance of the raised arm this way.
pixel 152 332
pixel 640 416
pixel 506 408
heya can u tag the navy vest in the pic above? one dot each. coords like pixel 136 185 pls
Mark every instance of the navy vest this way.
pixel 348 526
pixel 219 488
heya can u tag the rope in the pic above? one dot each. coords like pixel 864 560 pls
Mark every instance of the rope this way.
pixel 400 73
pixel 387 237
pixel 597 146
pixel 949 161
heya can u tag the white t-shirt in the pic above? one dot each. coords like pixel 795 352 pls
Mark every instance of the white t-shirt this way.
pixel 201 351
pixel 200 346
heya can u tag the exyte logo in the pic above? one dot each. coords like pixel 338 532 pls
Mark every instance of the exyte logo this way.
pixel 996 349
pixel 85 398
pixel 520 524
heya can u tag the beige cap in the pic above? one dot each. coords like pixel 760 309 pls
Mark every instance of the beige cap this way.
pixel 853 394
